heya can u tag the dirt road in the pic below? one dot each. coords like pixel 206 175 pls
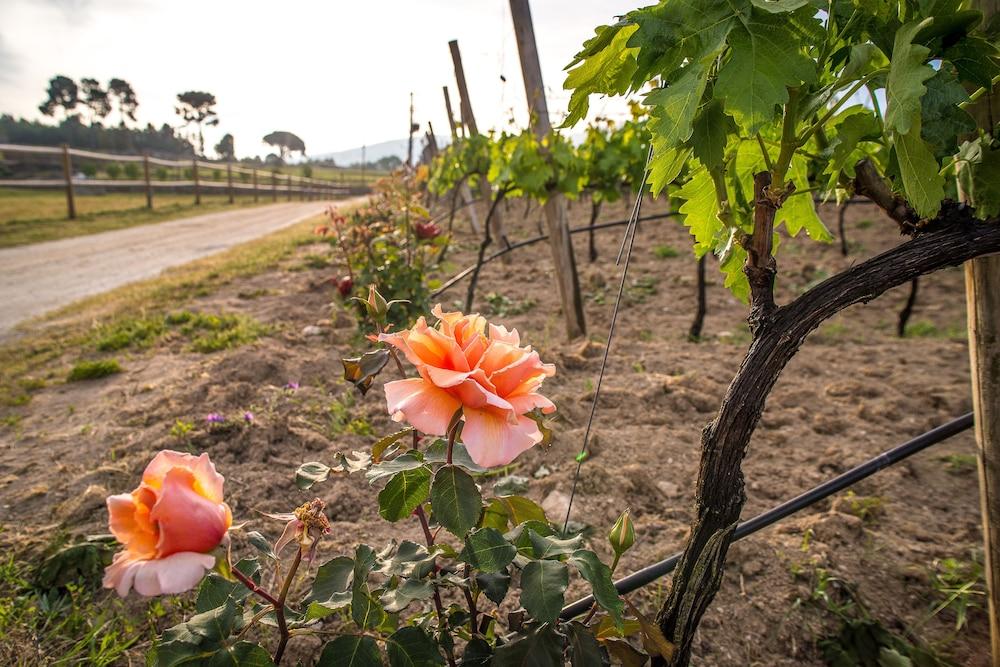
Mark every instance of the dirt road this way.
pixel 37 278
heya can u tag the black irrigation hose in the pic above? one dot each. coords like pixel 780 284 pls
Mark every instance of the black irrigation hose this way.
pixel 536 239
pixel 653 572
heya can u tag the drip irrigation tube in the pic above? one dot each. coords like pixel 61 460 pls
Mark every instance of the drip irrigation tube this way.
pixel 536 239
pixel 653 572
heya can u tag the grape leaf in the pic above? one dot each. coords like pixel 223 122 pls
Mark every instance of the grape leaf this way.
pixel 665 165
pixel 975 59
pixel 923 185
pixel 942 120
pixel 710 133
pixel 765 61
pixel 779 6
pixel 605 65
pixel 674 106
pixel 732 258
pixel 905 85
pixel 700 210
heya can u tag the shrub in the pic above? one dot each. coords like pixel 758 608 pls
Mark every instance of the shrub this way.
pixel 92 370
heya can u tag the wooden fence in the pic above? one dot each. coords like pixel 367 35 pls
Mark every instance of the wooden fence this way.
pixel 260 182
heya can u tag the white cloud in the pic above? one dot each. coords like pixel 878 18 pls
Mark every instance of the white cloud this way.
pixel 336 73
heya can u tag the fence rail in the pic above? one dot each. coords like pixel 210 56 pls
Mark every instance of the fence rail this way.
pixel 258 182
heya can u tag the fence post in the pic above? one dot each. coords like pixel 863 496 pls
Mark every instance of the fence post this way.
pixel 274 186
pixel 288 186
pixel 68 173
pixel 194 175
pixel 555 207
pixel 496 222
pixel 145 173
pixel 229 180
pixel 254 186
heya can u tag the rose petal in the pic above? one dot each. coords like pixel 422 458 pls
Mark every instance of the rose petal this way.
pixel 174 574
pixel 188 521
pixel 493 441
pixel 427 408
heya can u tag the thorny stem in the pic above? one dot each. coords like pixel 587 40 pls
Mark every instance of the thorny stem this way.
pixel 452 433
pixel 473 610
pixel 279 610
pixel 438 605
pixel 399 365
pixel 254 588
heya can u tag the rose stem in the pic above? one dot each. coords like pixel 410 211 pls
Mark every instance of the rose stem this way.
pixel 279 610
pixel 438 605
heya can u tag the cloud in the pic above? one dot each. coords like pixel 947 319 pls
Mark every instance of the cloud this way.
pixel 72 10
pixel 8 62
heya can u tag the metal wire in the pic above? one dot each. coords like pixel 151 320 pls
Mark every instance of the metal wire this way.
pixel 629 240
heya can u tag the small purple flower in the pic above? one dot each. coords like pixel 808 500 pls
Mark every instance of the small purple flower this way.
pixel 248 417
pixel 292 385
pixel 215 418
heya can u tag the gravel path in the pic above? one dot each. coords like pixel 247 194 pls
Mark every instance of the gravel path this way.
pixel 35 279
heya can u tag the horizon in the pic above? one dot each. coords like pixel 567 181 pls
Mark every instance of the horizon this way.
pixel 95 37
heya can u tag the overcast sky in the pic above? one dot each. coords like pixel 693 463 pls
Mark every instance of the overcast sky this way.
pixel 337 73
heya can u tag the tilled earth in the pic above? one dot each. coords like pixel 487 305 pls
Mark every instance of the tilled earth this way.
pixel 854 390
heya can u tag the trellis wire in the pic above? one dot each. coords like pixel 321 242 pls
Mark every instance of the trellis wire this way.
pixel 887 458
pixel 628 240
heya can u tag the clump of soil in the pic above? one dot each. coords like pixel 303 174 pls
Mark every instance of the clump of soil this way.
pixel 853 391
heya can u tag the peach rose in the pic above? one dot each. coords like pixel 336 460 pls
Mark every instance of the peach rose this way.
pixel 466 363
pixel 168 525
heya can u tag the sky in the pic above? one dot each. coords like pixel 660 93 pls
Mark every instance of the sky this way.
pixel 337 73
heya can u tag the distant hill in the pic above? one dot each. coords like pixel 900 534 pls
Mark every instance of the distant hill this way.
pixel 377 151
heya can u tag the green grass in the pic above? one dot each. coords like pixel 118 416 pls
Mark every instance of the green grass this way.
pixel 92 370
pixel 35 216
pixel 922 329
pixel 665 251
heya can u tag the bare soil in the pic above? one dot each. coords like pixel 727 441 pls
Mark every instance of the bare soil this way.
pixel 853 391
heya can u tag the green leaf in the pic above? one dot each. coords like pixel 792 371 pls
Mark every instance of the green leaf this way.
pixel 942 121
pixel 478 653
pixel 779 6
pixel 311 473
pixel 362 371
pixel 765 60
pixel 408 590
pixel 240 654
pixel 365 610
pixel 487 550
pixel 411 647
pixel 455 500
pixel 543 583
pixel 544 546
pixel 799 211
pixel 700 209
pixel 410 560
pixel 405 491
pixel 350 651
pixel 261 544
pixel 200 634
pixel 598 575
pixel 985 193
pixel 512 509
pixel 541 648
pixel 584 651
pixel 905 85
pixel 330 588
pixel 437 452
pixel 410 460
pixel 710 134
pixel 604 66
pixel 975 59
pixel 732 259
pixel 493 585
pixel 665 165
pixel 674 106
pixel 853 125
pixel 923 185
pixel 383 443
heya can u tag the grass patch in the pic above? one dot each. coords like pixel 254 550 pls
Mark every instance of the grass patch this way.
pixel 665 251
pixel 92 370
pixel 924 329
pixel 501 306
pixel 140 332
pixel 212 333
pixel 69 330
pixel 865 224
pixel 960 463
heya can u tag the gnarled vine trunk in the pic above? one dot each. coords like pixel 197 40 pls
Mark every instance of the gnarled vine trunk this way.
pixel 778 333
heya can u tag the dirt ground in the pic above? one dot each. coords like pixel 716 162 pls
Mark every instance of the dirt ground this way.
pixel 853 391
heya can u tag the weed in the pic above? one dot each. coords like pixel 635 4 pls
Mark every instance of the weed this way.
pixel 181 429
pixel 646 335
pixel 211 333
pixel 92 370
pixel 665 251
pixel 641 289
pixel 960 587
pixel 866 508
pixel 923 329
pixel 10 421
pixel 315 262
pixel 501 306
pixel 960 464
pixel 132 332
pixel 864 224
pixel 342 422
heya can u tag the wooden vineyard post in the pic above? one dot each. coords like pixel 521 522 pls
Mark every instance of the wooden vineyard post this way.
pixel 469 120
pixel 555 208
pixel 145 175
pixel 982 294
pixel 68 174
pixel 463 189
pixel 255 193
pixel 194 175
pixel 229 181
pixel 409 140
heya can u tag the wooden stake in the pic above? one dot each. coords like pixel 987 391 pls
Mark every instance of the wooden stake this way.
pixel 451 116
pixel 68 173
pixel 463 189
pixel 229 181
pixel 555 208
pixel 194 175
pixel 274 186
pixel 149 186
pixel 496 220
pixel 288 186
pixel 409 142
pixel 255 193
